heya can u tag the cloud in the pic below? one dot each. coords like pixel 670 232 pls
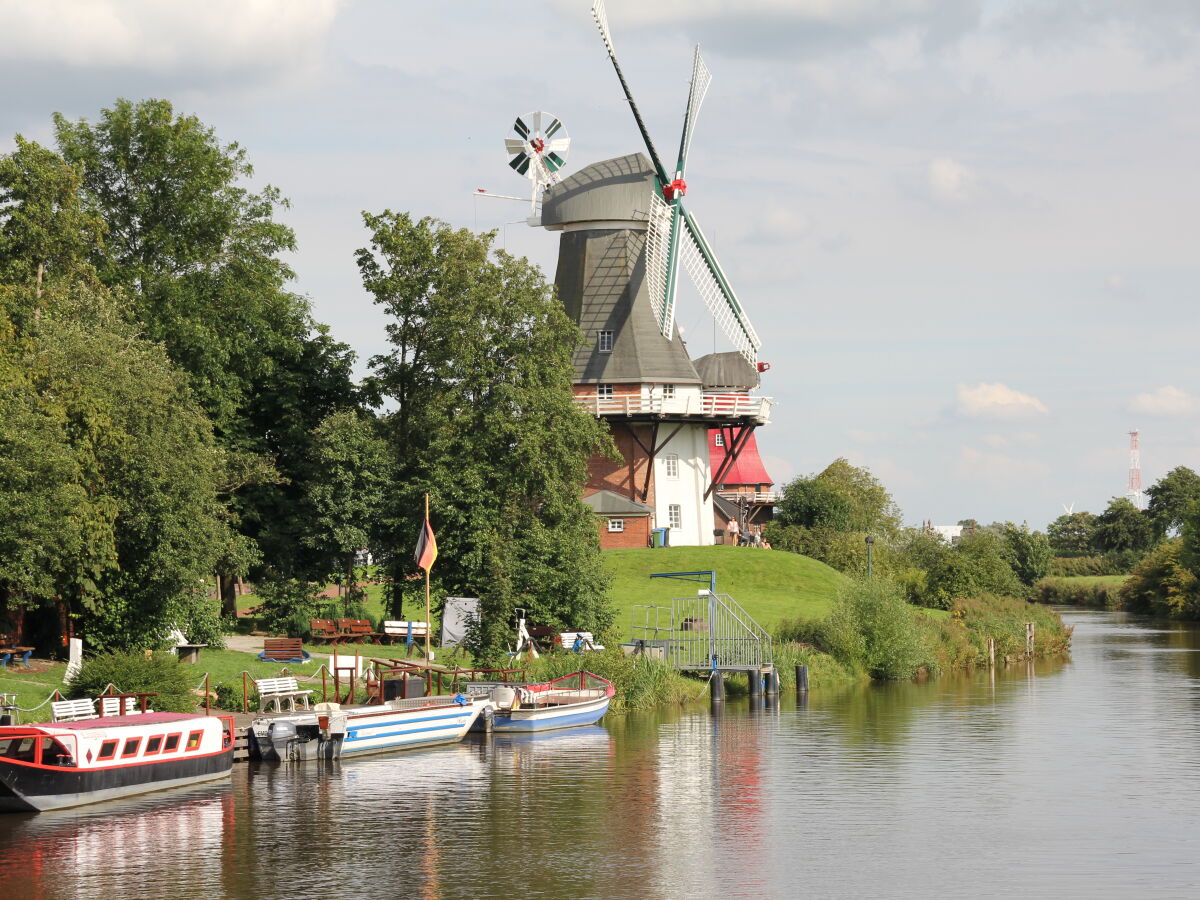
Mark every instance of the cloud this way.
pixel 1165 401
pixel 996 401
pixel 149 35
pixel 950 181
pixel 998 469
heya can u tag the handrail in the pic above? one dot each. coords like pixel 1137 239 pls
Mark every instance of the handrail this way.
pixel 709 405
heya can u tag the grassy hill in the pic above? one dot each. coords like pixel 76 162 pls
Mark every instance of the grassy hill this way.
pixel 769 584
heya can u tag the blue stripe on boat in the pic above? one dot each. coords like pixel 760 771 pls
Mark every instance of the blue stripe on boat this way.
pixel 353 728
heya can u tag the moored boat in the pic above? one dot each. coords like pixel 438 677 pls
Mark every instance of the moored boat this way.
pixel 331 731
pixel 61 764
pixel 581 698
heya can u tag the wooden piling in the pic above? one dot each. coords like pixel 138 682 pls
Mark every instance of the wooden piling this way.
pixel 801 679
pixel 772 681
pixel 1029 633
pixel 991 645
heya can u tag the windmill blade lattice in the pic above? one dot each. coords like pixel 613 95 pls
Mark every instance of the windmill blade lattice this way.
pixel 658 260
pixel 717 292
pixel 538 151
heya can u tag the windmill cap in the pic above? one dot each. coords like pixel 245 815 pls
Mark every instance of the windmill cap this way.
pixel 615 190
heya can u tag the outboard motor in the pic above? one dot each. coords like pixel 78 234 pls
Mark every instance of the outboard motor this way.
pixel 504 698
pixel 283 738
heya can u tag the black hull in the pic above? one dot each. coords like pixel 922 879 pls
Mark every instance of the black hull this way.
pixel 32 789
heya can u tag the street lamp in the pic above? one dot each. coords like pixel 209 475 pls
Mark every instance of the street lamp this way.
pixel 870 545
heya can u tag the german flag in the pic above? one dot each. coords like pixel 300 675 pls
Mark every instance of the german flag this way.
pixel 426 551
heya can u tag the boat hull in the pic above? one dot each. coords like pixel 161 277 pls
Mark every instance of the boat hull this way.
pixel 570 715
pixel 361 732
pixel 29 789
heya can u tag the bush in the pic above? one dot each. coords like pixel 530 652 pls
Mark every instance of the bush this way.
pixel 133 672
pixel 1076 566
pixel 1004 618
pixel 641 682
pixel 287 605
pixel 1104 595
pixel 874 629
pixel 1162 586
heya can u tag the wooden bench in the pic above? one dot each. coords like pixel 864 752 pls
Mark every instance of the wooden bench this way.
pixel 577 641
pixel 72 710
pixel 283 650
pixel 356 631
pixel 324 630
pixel 542 635
pixel 412 633
pixel 276 690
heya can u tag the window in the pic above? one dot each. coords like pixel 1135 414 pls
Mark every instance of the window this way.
pixel 131 747
pixel 604 341
pixel 675 515
pixel 668 392
pixel 671 465
pixel 108 750
pixel 20 749
pixel 172 743
pixel 604 390
pixel 193 741
pixel 153 745
pixel 718 439
pixel 54 753
pixel 616 526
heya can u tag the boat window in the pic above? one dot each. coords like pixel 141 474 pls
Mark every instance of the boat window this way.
pixel 54 753
pixel 172 743
pixel 153 745
pixel 18 748
pixel 194 740
pixel 131 747
pixel 108 750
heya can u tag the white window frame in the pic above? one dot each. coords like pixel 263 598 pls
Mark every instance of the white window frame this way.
pixel 616 526
pixel 604 341
pixel 671 466
pixel 719 439
pixel 604 391
pixel 675 515
pixel 668 391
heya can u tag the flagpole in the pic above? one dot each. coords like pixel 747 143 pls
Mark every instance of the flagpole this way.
pixel 428 622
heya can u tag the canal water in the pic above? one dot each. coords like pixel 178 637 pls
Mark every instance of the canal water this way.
pixel 1075 778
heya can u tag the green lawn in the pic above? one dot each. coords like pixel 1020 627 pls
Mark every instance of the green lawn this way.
pixel 769 584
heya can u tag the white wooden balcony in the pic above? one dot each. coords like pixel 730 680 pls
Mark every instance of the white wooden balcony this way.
pixel 758 498
pixel 714 406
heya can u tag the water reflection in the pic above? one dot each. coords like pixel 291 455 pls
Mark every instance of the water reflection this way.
pixel 1066 777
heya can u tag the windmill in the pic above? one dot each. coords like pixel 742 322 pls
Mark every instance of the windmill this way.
pixel 674 233
pixel 679 424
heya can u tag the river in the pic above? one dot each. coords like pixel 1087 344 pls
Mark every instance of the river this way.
pixel 1068 779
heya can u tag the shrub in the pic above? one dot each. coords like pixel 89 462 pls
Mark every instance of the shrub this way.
pixel 874 629
pixel 287 605
pixel 1105 595
pixel 133 672
pixel 1004 618
pixel 1162 586
pixel 1075 566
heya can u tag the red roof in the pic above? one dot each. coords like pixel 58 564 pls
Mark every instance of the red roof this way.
pixel 747 470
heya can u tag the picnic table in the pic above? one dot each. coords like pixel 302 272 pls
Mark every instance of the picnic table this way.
pixel 8 652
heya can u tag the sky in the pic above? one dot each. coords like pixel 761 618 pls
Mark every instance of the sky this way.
pixel 966 230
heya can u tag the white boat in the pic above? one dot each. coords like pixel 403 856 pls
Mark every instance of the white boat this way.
pixel 330 731
pixel 581 698
pixel 59 764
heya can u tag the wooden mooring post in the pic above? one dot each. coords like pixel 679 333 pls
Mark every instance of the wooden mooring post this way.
pixel 1029 634
pixel 991 645
pixel 754 683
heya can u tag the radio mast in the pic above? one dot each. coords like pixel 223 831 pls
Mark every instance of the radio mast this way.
pixel 1134 492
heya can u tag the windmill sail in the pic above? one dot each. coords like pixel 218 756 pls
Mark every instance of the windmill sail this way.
pixel 717 292
pixel 701 78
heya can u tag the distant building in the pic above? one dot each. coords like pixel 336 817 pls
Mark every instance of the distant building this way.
pixel 948 533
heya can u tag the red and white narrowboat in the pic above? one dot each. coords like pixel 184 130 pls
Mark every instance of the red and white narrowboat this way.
pixel 60 764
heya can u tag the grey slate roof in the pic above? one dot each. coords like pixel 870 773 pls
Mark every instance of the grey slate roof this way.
pixel 610 503
pixel 601 275
pixel 727 371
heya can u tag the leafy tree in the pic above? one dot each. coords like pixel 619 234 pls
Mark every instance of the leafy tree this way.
pixel 1071 534
pixel 130 469
pixel 484 421
pixel 815 503
pixel 1027 552
pixel 200 258
pixel 1170 499
pixel 1122 527
pixel 871 506
pixel 976 565
pixel 1164 583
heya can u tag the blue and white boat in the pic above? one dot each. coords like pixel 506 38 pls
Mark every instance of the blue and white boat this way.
pixel 581 698
pixel 330 731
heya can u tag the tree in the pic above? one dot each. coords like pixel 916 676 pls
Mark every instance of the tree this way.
pixel 1123 528
pixel 1027 552
pixel 871 506
pixel 484 421
pixel 975 565
pixel 1071 534
pixel 200 259
pixel 815 503
pixel 124 461
pixel 1170 499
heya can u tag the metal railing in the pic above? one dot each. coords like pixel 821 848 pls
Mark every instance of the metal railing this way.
pixel 707 631
pixel 708 406
pixel 760 498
